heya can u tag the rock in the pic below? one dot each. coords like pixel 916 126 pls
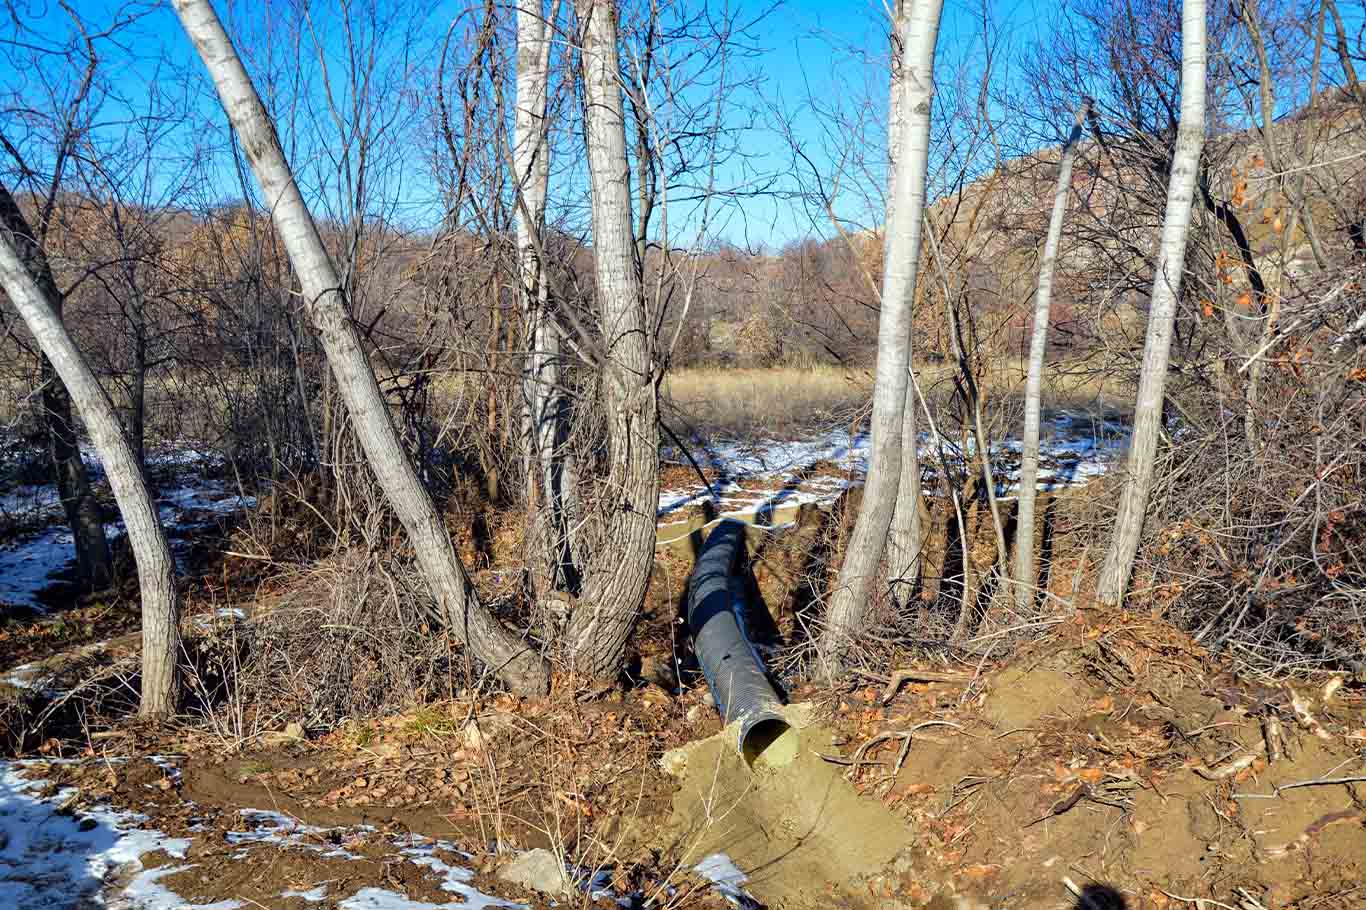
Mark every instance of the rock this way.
pixel 538 870
pixel 292 733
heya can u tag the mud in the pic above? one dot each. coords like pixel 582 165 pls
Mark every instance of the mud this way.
pixel 801 832
pixel 1058 774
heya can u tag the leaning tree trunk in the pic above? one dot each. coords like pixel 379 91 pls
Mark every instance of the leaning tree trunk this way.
pixel 1119 561
pixel 520 667
pixel 93 562
pixel 862 559
pixel 1026 562
pixel 906 537
pixel 36 303
pixel 623 539
pixel 549 471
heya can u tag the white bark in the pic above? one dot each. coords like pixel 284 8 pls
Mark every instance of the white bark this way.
pixel 618 567
pixel 469 620
pixel 156 569
pixel 1026 562
pixel 549 467
pixel 906 538
pixel 1119 561
pixel 863 557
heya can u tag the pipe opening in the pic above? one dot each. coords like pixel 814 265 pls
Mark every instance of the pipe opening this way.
pixel 771 743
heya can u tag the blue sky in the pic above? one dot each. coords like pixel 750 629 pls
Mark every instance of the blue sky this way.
pixel 816 58
pixel 821 55
pixel 815 55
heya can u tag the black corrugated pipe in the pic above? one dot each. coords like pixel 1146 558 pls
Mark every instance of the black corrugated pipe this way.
pixel 734 671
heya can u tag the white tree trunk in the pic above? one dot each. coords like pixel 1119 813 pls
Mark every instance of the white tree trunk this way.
pixel 1119 561
pixel 520 667
pixel 1026 563
pixel 906 538
pixel 156 569
pixel 863 557
pixel 549 467
pixel 618 569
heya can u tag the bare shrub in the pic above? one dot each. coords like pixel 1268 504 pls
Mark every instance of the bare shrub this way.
pixel 1262 551
pixel 353 638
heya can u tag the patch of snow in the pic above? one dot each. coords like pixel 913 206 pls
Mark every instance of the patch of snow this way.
pixel 51 860
pixel 31 501
pixel 146 892
pixel 27 567
pixel 422 851
pixel 1079 448
pixel 277 828
pixel 191 503
pixel 223 615
pixel 728 878
pixel 168 766
pixel 384 899
pixel 25 676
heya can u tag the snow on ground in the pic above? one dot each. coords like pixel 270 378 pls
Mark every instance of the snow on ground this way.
pixel 188 502
pixel 51 859
pixel 787 465
pixel 754 477
pixel 55 861
pixel 746 477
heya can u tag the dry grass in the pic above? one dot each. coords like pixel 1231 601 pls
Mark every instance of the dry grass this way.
pixel 745 402
pixel 784 399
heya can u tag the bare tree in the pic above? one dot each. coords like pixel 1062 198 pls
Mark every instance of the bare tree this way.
pixel 621 550
pixel 863 557
pixel 1026 564
pixel 1148 408
pixel 470 620
pixel 551 473
pixel 37 305
pixel 906 538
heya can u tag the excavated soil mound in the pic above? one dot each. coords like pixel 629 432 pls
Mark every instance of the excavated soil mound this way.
pixel 801 833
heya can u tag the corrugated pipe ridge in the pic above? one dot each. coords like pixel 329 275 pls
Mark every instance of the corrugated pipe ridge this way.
pixel 733 668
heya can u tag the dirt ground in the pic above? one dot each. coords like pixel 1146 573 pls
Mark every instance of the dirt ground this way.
pixel 1113 759
pixel 1110 763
